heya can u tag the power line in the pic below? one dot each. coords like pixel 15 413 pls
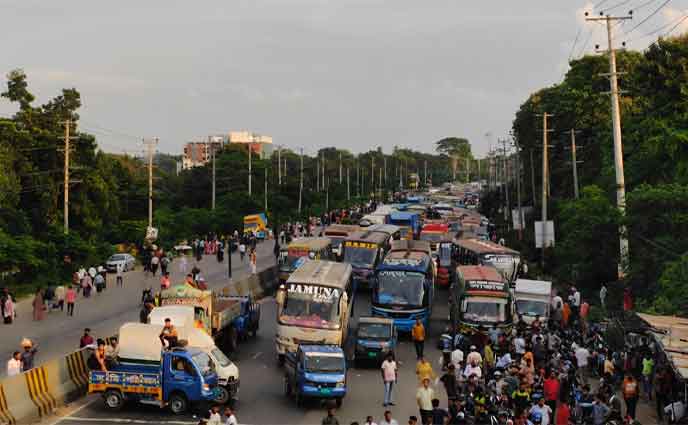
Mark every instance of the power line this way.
pixel 580 29
pixel 587 40
pixel 617 5
pixel 647 3
pixel 600 3
pixel 661 6
pixel 651 33
pixel 676 26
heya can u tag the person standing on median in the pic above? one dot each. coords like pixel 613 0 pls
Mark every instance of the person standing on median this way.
pixel 418 334
pixel 70 298
pixel 389 373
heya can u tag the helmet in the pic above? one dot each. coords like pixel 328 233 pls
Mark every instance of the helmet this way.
pixel 537 418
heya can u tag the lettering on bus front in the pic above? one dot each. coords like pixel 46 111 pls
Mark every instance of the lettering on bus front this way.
pixel 319 293
pixel 311 306
pixel 352 244
pixel 402 262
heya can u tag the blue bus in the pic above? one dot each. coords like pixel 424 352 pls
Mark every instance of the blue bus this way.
pixel 408 222
pixel 404 284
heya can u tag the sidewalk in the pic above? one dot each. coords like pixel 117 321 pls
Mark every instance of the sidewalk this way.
pixel 104 313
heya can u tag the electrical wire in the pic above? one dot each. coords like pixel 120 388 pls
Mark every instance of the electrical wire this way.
pixel 651 33
pixel 661 6
pixel 600 3
pixel 647 3
pixel 617 5
pixel 580 29
pixel 587 40
pixel 676 26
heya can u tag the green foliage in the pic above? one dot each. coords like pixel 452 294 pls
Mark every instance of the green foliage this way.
pixel 673 298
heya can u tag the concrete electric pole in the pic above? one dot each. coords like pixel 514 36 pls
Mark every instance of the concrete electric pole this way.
pixel 574 163
pixel 545 184
pixel 250 148
pixel 616 126
pixel 150 148
pixel 67 126
pixel 301 182
pixel 212 154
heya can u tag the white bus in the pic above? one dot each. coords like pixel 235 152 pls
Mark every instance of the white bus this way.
pixel 314 306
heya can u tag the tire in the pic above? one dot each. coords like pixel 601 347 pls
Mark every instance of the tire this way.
pixel 178 403
pixel 223 395
pixel 339 402
pixel 113 399
pixel 233 339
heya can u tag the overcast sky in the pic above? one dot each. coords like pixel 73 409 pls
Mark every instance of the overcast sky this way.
pixel 354 74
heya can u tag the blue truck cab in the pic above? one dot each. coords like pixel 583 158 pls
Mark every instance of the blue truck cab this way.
pixel 408 222
pixel 181 378
pixel 375 338
pixel 315 372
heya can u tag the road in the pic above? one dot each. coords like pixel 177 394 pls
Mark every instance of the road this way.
pixel 262 399
pixel 104 313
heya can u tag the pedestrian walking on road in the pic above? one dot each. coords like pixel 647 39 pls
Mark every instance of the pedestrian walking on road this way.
pixel 387 419
pixel 183 264
pixel 230 417
pixel 424 396
pixel 60 297
pixel 603 296
pixel 253 258
pixel 648 370
pixel 8 311
pixel 155 261
pixel 70 298
pixel 14 365
pixel 86 339
pixel 86 285
pixel 165 281
pixel 27 356
pixel 330 419
pixel 38 306
pixel 424 370
pixel 120 274
pixel 389 373
pixel 418 334
pixel 276 250
pixel 630 391
pixel 242 251
pixel 164 263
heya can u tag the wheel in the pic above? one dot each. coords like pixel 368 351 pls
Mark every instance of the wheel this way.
pixel 178 404
pixel 113 399
pixel 339 402
pixel 223 395
pixel 287 387
pixel 233 339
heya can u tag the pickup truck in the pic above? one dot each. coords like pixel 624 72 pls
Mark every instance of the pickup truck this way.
pixel 181 378
pixel 315 371
pixel 226 318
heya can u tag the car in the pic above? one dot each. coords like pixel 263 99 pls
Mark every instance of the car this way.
pixel 375 338
pixel 126 260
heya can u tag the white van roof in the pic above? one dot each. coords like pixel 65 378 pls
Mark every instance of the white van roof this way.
pixel 183 319
pixel 533 287
pixel 140 341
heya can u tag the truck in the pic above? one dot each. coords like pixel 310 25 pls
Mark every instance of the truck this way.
pixel 182 317
pixel 408 222
pixel 256 223
pixel 533 298
pixel 144 373
pixel 375 338
pixel 226 318
pixel 315 371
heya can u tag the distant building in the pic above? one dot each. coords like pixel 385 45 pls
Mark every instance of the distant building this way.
pixel 260 145
pixel 197 153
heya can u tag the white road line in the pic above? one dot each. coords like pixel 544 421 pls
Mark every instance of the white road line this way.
pixel 128 421
pixel 75 411
pixel 258 354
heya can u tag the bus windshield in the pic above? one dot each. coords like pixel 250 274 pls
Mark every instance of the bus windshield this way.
pixel 322 363
pixel 374 331
pixel 484 309
pixel 303 309
pixel 359 256
pixel 401 288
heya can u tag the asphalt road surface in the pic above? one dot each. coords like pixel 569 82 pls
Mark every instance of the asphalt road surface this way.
pixel 262 399
pixel 104 313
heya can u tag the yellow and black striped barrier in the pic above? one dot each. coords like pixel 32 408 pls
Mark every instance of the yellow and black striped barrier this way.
pixel 6 416
pixel 37 384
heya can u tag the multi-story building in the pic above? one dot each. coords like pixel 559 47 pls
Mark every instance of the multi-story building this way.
pixel 199 152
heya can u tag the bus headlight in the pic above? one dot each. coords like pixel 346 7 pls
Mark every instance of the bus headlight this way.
pixel 341 384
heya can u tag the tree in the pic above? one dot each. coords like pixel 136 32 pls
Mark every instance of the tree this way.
pixel 455 148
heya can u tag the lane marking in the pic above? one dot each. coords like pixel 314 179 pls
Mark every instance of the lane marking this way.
pixel 128 421
pixel 258 354
pixel 75 411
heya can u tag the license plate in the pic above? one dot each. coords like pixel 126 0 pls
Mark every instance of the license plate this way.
pixel 325 391
pixel 372 354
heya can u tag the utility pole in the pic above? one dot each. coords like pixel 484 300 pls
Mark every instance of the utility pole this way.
pixel 545 184
pixel 279 165
pixel 301 182
pixel 67 125
pixel 425 172
pixel 384 164
pixel 379 186
pixel 468 170
pixel 521 220
pixel 575 164
pixel 618 150
pixel 150 147
pixel 250 148
pixel 317 172
pixel 479 176
pixel 266 189
pixel 348 187
pixel 358 179
pixel 372 174
pixel 323 170
pixel 212 154
pixel 327 196
pixel 507 210
pixel 340 167
pixel 532 175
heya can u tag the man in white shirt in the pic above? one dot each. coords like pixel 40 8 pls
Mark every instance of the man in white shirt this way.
pixel 424 396
pixel 472 369
pixel 457 358
pixel 230 419
pixel 369 420
pixel 603 295
pixel 582 355
pixel 14 365
pixel 474 356
pixel 519 345
pixel 388 420
pixel 544 410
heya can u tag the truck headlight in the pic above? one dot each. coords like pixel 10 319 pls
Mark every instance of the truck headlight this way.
pixel 384 345
pixel 206 387
pixel 341 384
